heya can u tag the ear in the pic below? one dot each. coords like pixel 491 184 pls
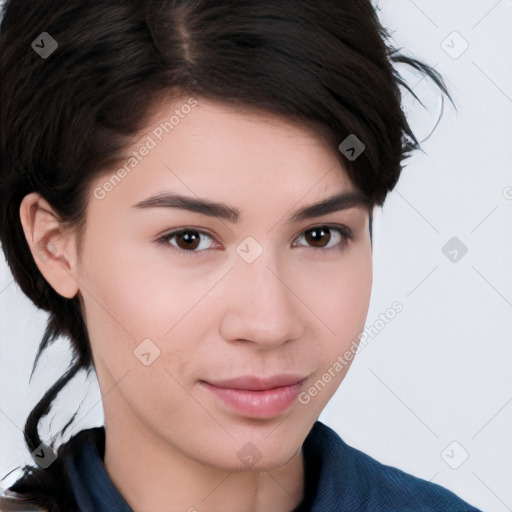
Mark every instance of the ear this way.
pixel 52 247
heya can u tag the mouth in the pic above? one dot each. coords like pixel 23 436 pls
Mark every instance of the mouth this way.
pixel 257 397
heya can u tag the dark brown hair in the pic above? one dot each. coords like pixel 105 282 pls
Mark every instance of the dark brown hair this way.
pixel 67 118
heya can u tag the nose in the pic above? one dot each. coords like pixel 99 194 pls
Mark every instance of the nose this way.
pixel 262 303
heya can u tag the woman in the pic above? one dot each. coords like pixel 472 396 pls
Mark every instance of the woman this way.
pixel 187 188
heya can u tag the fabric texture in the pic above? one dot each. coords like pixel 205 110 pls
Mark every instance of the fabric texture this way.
pixel 338 478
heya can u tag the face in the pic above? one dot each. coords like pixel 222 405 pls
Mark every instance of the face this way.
pixel 178 300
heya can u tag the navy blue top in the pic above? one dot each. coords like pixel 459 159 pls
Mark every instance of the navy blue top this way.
pixel 337 478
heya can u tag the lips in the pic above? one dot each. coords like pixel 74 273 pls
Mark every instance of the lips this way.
pixel 254 383
pixel 256 397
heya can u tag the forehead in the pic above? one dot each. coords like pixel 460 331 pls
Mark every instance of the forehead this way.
pixel 204 148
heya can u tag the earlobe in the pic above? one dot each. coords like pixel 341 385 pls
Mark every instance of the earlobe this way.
pixel 52 247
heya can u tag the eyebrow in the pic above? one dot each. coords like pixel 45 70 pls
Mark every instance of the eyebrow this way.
pixel 341 201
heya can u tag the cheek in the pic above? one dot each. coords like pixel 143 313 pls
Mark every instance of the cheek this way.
pixel 339 294
pixel 134 296
pixel 142 293
pixel 340 301
pixel 139 329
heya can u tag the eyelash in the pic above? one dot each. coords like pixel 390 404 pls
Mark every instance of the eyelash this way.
pixel 345 233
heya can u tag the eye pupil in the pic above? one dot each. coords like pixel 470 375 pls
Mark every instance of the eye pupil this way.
pixel 190 238
pixel 314 236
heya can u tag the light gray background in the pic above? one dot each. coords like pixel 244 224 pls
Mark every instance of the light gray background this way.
pixel 438 373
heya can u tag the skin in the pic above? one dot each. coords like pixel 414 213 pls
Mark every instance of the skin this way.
pixel 295 309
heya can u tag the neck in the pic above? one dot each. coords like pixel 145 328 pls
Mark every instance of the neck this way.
pixel 152 474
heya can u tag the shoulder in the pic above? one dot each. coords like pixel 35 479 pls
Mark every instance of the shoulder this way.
pixel 42 489
pixel 397 487
pixel 384 487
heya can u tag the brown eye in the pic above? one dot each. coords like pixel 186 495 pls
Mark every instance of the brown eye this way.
pixel 317 237
pixel 188 241
pixel 327 237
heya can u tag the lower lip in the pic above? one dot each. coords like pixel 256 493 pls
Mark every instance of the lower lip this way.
pixel 257 404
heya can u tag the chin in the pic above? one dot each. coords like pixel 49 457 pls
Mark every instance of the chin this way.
pixel 253 453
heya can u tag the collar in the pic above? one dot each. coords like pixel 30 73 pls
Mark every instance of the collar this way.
pixel 92 487
pixel 94 491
